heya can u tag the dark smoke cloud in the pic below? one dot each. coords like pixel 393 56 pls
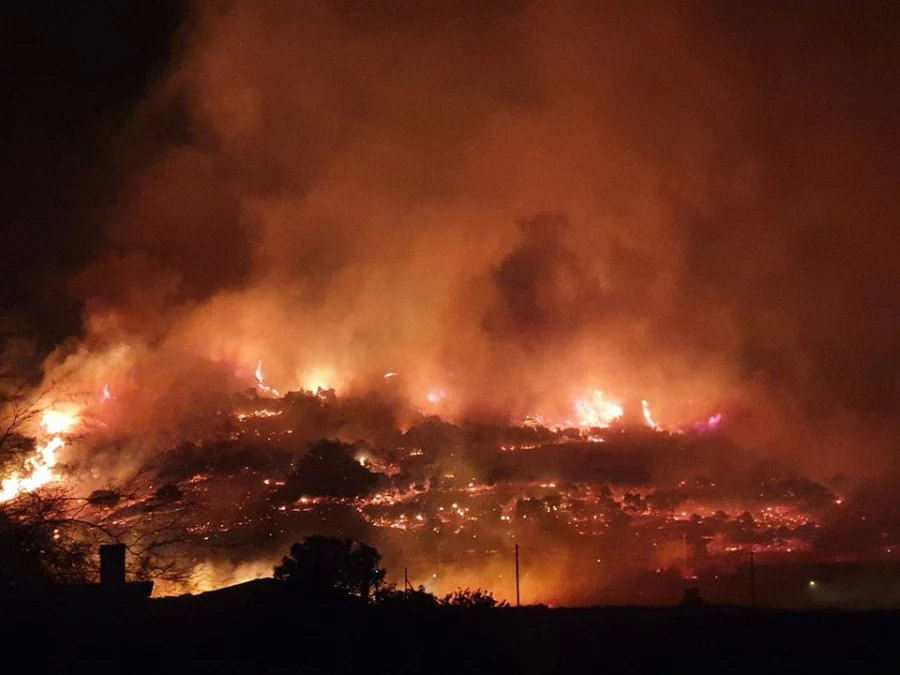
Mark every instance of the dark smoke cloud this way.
pixel 71 76
pixel 542 287
pixel 335 187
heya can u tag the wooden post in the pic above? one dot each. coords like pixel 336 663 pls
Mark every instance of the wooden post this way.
pixel 518 597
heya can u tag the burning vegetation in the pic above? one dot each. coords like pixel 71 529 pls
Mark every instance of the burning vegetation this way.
pixel 596 503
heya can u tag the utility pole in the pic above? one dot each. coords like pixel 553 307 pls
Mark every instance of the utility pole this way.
pixel 752 579
pixel 406 586
pixel 518 599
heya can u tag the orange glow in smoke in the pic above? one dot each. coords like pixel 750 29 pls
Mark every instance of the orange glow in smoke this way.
pixel 435 396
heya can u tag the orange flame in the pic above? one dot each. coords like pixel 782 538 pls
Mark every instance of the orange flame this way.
pixel 597 410
pixel 39 466
pixel 648 417
pixel 262 386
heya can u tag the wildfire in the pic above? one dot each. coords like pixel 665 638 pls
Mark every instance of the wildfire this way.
pixel 435 396
pixel 56 422
pixel 710 424
pixel 597 410
pixel 648 417
pixel 319 378
pixel 39 466
pixel 262 386
pixel 261 414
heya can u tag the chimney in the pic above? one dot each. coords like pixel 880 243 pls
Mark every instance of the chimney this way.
pixel 112 565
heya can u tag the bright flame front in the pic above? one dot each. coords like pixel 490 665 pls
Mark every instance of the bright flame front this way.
pixel 39 466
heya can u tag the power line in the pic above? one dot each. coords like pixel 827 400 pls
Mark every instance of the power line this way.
pixel 584 556
pixel 439 561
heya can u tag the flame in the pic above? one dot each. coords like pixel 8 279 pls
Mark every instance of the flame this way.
pixel 648 417
pixel 322 378
pixel 39 466
pixel 243 417
pixel 435 396
pixel 56 422
pixel 597 410
pixel 710 424
pixel 262 386
pixel 106 394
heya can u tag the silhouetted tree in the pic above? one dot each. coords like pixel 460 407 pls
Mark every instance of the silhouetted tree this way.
pixel 18 411
pixel 51 536
pixel 470 598
pixel 35 548
pixel 329 469
pixel 326 568
pixel 413 597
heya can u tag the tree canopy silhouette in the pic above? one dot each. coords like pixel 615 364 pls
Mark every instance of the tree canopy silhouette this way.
pixel 411 597
pixel 327 568
pixel 329 469
pixel 470 598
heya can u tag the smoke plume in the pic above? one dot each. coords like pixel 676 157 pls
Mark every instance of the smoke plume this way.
pixel 510 204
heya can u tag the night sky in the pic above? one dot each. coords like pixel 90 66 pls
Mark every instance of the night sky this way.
pixel 72 73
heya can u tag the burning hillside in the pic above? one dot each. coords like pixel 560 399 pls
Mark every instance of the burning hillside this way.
pixel 595 502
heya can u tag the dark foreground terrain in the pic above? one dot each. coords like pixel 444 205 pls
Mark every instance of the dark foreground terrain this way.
pixel 258 628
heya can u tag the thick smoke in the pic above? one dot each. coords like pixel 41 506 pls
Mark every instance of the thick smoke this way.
pixel 512 203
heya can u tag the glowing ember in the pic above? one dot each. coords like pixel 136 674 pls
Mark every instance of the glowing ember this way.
pixel 262 414
pixel 425 493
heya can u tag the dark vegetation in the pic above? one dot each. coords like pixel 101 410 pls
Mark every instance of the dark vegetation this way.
pixel 261 628
pixel 328 610
pixel 328 469
pixel 327 570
